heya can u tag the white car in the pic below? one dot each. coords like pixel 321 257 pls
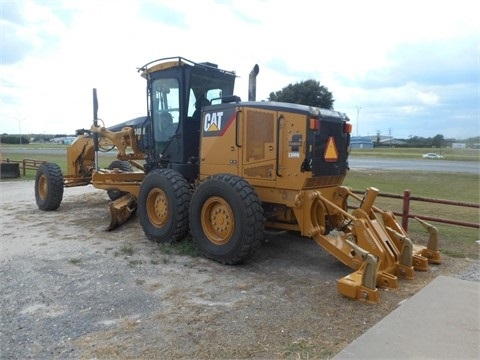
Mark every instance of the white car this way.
pixel 432 156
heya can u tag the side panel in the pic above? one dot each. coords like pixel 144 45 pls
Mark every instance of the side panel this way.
pixel 292 151
pixel 220 147
pixel 266 147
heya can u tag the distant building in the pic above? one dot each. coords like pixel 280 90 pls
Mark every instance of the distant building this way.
pixel 459 145
pixel 361 142
pixel 392 142
pixel 65 140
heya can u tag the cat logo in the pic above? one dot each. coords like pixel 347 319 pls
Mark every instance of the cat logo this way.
pixel 216 123
pixel 331 153
pixel 213 121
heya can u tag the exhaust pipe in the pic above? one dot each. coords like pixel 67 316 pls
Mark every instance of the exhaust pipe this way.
pixel 95 124
pixel 252 83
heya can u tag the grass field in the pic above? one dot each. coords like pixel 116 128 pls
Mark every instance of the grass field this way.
pixel 40 152
pixel 416 153
pixel 455 240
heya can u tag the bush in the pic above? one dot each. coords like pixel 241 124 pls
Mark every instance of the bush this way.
pixel 14 139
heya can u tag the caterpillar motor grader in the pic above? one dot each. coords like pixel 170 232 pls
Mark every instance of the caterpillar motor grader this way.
pixel 205 162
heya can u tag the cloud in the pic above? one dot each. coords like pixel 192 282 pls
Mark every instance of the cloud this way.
pixel 412 67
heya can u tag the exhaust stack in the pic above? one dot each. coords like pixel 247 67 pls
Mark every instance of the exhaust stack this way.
pixel 252 83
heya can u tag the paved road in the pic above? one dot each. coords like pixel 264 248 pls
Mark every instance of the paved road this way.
pixel 471 167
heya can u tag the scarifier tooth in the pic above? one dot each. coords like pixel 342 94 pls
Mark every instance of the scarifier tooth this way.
pixel 431 252
pixel 369 278
pixel 433 232
pixel 407 249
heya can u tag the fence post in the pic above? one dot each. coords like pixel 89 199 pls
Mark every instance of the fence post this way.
pixel 23 167
pixel 406 208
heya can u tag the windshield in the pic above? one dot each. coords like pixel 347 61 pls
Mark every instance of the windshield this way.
pixel 166 108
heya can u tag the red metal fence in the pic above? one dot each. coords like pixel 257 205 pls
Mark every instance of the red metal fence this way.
pixel 408 198
pixel 26 164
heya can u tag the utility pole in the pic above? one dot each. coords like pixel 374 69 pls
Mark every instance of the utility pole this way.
pixel 358 117
pixel 19 129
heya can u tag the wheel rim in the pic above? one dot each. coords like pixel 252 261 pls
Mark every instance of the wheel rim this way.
pixel 42 187
pixel 157 207
pixel 217 220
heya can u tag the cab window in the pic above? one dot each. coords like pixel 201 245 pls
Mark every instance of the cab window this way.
pixel 165 108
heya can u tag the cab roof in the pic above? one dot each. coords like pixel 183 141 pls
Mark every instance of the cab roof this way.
pixel 171 62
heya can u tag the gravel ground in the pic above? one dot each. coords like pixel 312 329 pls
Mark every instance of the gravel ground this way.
pixel 70 290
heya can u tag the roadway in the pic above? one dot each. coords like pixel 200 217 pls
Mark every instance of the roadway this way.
pixel 471 167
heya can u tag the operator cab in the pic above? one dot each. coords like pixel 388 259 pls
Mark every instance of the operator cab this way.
pixel 177 91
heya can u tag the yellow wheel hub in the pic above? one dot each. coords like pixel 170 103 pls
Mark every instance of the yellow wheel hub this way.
pixel 42 187
pixel 217 220
pixel 157 207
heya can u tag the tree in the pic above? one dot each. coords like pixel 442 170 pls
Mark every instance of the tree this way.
pixel 438 141
pixel 308 92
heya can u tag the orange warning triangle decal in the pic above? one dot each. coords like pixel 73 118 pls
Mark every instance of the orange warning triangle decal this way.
pixel 331 153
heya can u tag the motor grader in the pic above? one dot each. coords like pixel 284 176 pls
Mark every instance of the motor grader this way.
pixel 205 162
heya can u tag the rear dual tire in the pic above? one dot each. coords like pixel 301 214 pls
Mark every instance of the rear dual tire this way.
pixel 226 219
pixel 224 213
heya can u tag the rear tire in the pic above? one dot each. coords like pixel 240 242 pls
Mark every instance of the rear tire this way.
pixel 123 166
pixel 162 205
pixel 48 186
pixel 226 219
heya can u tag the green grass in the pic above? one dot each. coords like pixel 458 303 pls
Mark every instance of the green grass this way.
pixel 455 240
pixel 450 186
pixel 126 250
pixel 416 153
pixel 41 152
pixel 74 261
pixel 185 247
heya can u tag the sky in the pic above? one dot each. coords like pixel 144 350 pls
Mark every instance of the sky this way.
pixel 397 68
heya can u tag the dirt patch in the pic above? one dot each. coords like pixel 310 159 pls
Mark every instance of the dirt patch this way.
pixel 71 290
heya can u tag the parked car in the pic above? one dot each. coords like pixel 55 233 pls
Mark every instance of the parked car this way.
pixel 432 156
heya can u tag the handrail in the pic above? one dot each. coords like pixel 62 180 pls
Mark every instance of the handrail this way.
pixel 277 161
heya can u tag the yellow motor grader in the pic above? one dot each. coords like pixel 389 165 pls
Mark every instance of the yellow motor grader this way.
pixel 205 162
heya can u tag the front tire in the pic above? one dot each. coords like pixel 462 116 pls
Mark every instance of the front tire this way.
pixel 48 186
pixel 226 219
pixel 162 205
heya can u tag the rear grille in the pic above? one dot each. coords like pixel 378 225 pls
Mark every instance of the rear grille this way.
pixel 322 182
pixel 320 167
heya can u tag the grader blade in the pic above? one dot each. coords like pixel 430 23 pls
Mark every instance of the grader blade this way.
pixel 121 210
